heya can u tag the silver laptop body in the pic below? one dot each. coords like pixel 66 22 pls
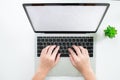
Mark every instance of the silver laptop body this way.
pixel 66 20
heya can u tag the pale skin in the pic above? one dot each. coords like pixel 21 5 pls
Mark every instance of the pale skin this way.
pixel 79 59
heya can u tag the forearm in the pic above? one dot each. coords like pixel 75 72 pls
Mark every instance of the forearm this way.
pixel 89 75
pixel 39 76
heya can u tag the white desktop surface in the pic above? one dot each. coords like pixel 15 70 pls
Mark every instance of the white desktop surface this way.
pixel 17 43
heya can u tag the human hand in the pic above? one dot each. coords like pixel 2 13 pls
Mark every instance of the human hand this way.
pixel 80 60
pixel 48 60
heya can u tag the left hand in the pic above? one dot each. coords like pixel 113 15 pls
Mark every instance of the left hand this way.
pixel 48 59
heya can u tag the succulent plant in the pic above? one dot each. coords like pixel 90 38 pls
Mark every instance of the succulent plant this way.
pixel 110 31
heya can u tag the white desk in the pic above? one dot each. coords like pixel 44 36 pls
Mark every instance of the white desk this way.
pixel 17 43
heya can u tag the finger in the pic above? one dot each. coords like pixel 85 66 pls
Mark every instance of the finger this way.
pixel 86 52
pixel 57 58
pixel 72 53
pixel 44 51
pixel 82 49
pixel 51 49
pixel 77 49
pixel 55 51
pixel 71 59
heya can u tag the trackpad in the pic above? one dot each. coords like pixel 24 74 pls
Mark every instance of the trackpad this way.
pixel 64 68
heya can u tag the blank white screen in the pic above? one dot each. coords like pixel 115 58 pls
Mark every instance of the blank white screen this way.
pixel 65 18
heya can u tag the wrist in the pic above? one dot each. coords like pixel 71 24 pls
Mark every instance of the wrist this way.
pixel 42 72
pixel 89 75
pixel 42 75
pixel 39 76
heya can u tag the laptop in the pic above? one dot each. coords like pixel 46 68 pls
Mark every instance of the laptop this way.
pixel 65 24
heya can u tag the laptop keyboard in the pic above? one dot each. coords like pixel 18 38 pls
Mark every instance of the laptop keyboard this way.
pixel 65 43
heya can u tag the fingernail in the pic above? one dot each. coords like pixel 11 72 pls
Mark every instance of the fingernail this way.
pixel 69 55
pixel 54 45
pixel 73 45
pixel 59 54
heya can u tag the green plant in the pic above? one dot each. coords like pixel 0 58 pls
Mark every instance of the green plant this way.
pixel 110 31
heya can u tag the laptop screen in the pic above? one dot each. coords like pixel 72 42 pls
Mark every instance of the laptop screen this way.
pixel 65 17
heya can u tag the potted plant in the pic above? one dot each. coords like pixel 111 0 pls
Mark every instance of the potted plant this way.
pixel 110 31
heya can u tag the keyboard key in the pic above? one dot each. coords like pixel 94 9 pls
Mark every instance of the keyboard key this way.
pixel 38 55
pixel 91 55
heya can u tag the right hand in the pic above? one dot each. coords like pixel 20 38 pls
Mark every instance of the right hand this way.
pixel 80 60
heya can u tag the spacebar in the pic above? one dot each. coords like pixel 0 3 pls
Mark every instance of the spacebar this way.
pixel 67 55
pixel 64 55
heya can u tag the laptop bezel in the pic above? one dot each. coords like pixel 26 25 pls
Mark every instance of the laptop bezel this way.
pixel 63 4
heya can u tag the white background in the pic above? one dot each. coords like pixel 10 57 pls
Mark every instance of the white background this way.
pixel 17 43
